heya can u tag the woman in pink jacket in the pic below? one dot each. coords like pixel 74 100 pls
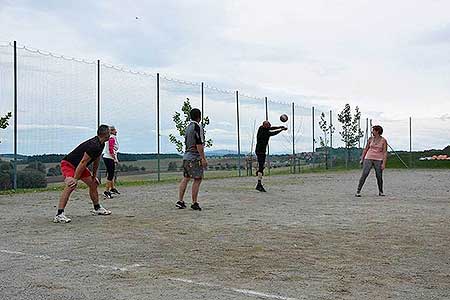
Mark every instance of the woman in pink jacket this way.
pixel 374 155
pixel 110 159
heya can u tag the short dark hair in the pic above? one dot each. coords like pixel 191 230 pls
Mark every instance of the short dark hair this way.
pixel 195 114
pixel 378 129
pixel 103 130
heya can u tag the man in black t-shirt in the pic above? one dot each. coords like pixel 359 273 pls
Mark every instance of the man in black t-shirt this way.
pixel 265 131
pixel 74 167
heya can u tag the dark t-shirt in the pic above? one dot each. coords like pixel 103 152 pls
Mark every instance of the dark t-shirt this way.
pixel 92 147
pixel 262 138
pixel 194 136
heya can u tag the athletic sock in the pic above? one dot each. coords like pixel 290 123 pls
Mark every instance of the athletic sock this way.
pixel 60 211
pixel 96 206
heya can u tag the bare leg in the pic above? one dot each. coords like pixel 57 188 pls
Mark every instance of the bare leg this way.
pixel 93 191
pixel 195 189
pixel 182 189
pixel 65 197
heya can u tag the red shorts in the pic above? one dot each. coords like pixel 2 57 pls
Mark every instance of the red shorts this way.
pixel 68 170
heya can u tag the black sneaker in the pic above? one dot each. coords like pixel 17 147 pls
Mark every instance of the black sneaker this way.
pixel 260 188
pixel 195 206
pixel 115 191
pixel 107 195
pixel 358 194
pixel 180 204
pixel 381 194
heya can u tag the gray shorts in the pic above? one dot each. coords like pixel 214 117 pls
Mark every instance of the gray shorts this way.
pixel 193 169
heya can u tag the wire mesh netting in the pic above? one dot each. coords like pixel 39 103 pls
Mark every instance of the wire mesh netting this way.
pixel 57 110
pixel 6 97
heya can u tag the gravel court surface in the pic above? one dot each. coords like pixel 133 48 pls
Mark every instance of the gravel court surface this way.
pixel 308 237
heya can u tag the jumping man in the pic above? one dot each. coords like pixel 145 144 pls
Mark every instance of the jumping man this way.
pixel 74 167
pixel 265 131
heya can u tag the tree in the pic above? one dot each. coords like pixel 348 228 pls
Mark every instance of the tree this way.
pixel 327 131
pixel 4 121
pixel 182 120
pixel 351 133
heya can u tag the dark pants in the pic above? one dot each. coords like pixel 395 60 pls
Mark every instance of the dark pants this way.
pixel 367 166
pixel 261 162
pixel 110 168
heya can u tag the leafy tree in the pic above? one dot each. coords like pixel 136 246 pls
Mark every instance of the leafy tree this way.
pixel 182 120
pixel 327 131
pixel 4 121
pixel 351 133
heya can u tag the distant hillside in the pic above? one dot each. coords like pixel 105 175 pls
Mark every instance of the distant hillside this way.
pixel 55 158
pixel 222 152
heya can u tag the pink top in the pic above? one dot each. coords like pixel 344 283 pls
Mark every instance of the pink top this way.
pixel 376 150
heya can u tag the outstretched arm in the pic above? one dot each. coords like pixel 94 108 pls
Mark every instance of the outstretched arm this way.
pixel 277 130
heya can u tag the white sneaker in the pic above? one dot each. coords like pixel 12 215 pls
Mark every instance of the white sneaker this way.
pixel 101 211
pixel 61 218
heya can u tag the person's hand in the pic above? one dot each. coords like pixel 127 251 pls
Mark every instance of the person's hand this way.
pixel 285 128
pixel 361 161
pixel 204 163
pixel 383 166
pixel 116 161
pixel 71 182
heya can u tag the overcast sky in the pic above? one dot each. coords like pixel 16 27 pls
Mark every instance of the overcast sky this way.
pixel 392 58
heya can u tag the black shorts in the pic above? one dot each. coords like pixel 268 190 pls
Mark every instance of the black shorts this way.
pixel 261 162
pixel 110 168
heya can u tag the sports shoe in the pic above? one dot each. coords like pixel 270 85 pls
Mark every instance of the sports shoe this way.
pixel 358 194
pixel 180 204
pixel 381 194
pixel 260 188
pixel 115 191
pixel 61 218
pixel 101 211
pixel 107 195
pixel 195 206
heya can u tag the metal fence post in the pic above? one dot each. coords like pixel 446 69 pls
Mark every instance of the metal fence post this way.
pixel 410 143
pixel 98 93
pixel 293 137
pixel 157 127
pixel 203 103
pixel 238 133
pixel 15 118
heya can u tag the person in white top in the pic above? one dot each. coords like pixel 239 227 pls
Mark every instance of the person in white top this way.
pixel 110 158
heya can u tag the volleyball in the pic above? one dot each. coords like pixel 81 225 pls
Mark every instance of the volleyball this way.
pixel 283 118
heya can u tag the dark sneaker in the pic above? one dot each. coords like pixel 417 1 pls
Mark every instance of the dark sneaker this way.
pixel 358 194
pixel 107 195
pixel 381 194
pixel 180 204
pixel 195 206
pixel 260 188
pixel 115 191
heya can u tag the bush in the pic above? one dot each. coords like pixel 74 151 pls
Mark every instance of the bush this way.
pixel 5 181
pixel 30 178
pixel 36 165
pixel 55 171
